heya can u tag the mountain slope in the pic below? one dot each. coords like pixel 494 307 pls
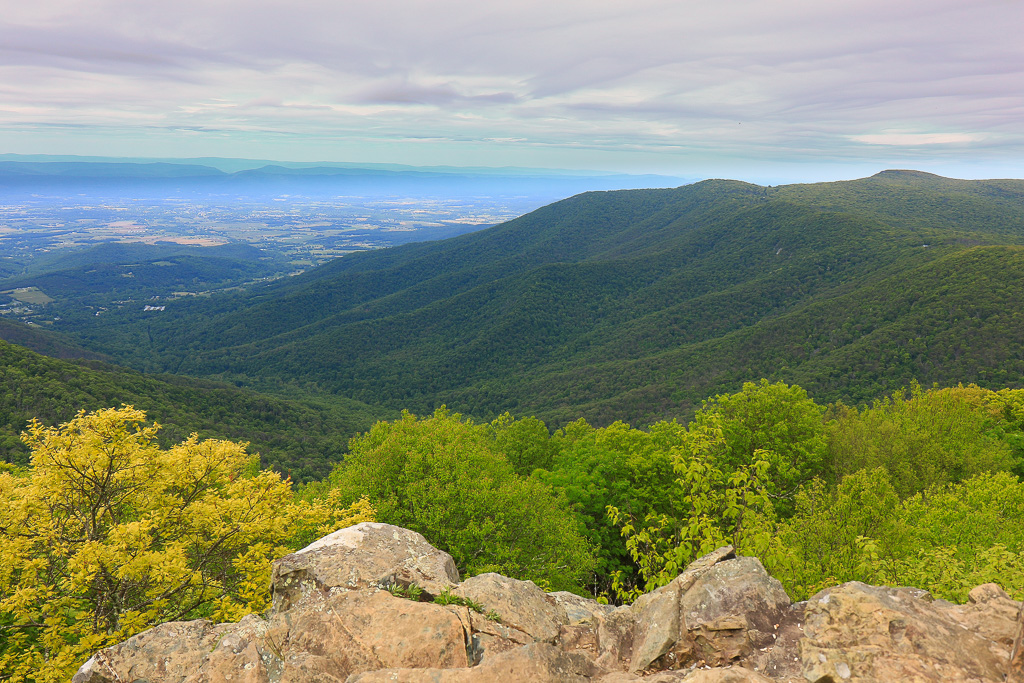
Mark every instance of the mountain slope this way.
pixel 300 438
pixel 44 342
pixel 632 304
pixel 947 321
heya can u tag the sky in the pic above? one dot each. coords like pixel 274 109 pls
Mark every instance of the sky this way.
pixel 768 91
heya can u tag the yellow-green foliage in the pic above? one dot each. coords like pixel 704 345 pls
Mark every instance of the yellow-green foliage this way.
pixel 946 539
pixel 924 438
pixel 715 510
pixel 917 489
pixel 777 421
pixel 106 534
pixel 924 496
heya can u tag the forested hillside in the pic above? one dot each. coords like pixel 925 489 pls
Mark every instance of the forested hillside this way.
pixel 45 342
pixel 557 332
pixel 634 304
pixel 299 438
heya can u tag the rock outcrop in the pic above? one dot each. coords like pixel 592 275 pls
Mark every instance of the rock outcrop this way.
pixel 723 620
pixel 368 555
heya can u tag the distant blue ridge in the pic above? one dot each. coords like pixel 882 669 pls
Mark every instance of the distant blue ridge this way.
pixel 60 175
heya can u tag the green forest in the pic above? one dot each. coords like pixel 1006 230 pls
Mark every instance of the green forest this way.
pixel 921 487
pixel 300 438
pixel 629 305
pixel 827 377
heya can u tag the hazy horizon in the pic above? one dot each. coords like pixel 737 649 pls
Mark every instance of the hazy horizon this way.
pixel 790 91
pixel 232 165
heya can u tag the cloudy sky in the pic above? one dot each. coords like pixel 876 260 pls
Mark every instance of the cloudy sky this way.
pixel 766 90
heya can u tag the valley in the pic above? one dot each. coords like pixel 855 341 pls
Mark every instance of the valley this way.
pixel 631 305
pixel 589 396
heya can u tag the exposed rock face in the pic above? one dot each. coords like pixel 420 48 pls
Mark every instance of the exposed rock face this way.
pixel 534 662
pixel 723 620
pixel 717 611
pixel 367 555
pixel 731 610
pixel 171 651
pixel 856 632
pixel 579 610
pixel 520 604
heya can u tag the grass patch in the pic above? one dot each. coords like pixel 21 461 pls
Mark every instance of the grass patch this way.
pixel 29 295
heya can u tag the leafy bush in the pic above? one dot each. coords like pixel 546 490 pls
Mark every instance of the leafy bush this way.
pixel 946 539
pixel 630 469
pixel 922 438
pixel 717 507
pixel 444 477
pixel 779 422
pixel 107 534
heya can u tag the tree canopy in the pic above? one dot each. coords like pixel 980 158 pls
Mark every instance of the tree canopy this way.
pixel 445 477
pixel 107 534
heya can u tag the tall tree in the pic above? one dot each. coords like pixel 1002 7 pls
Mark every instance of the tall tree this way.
pixel 107 534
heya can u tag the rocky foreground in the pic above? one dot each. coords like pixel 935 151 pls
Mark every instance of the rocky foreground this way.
pixel 723 620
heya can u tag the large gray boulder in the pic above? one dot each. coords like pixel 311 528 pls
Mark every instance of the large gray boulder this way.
pixel 169 652
pixel 718 611
pixel 657 612
pixel 731 610
pixel 367 555
pixel 346 633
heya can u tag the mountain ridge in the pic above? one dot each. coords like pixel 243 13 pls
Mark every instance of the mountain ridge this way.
pixel 600 285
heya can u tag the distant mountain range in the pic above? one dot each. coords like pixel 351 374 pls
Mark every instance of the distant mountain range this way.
pixel 155 178
pixel 634 304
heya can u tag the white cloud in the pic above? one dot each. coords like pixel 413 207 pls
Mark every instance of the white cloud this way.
pixel 788 80
pixel 902 139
